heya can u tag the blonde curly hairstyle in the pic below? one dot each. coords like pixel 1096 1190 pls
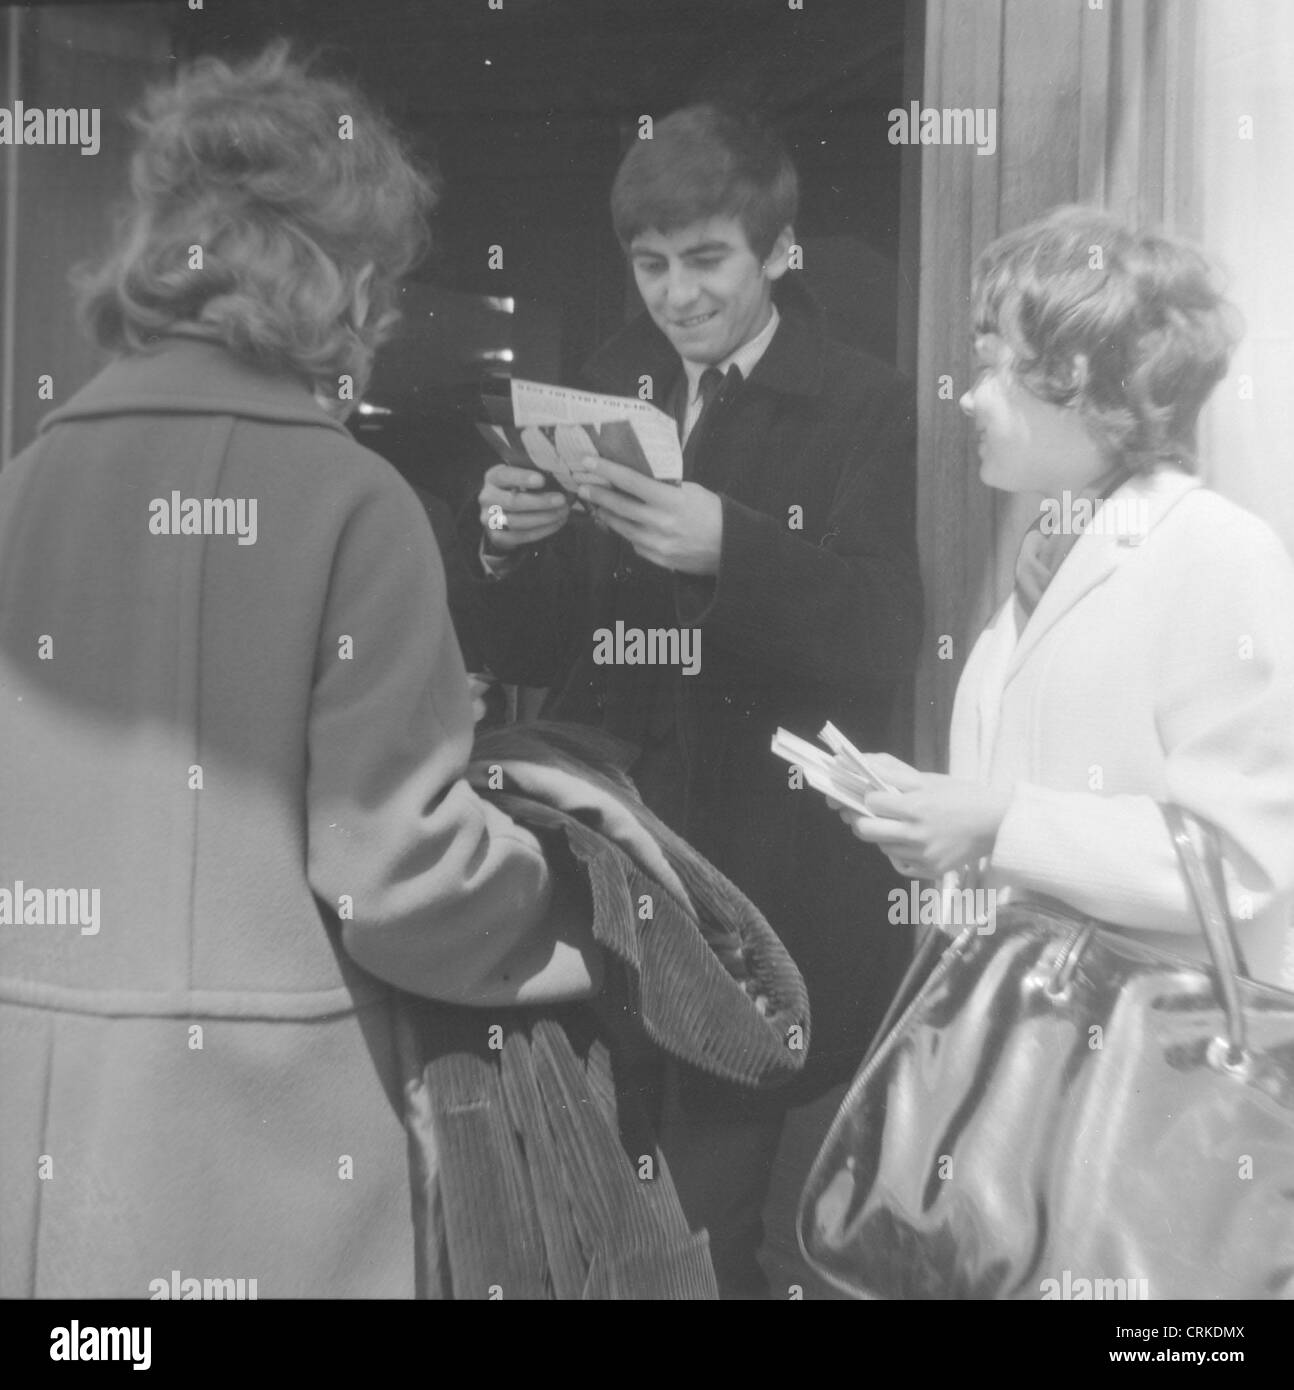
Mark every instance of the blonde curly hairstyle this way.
pixel 291 185
pixel 1128 326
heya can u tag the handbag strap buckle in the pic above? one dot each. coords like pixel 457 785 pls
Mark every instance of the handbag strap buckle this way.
pixel 1221 1055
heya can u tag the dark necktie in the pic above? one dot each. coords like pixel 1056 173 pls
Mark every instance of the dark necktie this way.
pixel 707 389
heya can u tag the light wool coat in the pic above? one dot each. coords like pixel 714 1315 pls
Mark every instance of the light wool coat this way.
pixel 1154 671
pixel 254 753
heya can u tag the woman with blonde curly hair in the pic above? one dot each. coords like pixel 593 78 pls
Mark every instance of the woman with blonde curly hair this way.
pixel 273 212
pixel 1146 653
pixel 232 699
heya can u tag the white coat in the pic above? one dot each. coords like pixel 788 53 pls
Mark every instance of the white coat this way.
pixel 1155 668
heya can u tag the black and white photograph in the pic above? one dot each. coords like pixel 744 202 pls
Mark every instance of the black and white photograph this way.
pixel 646 654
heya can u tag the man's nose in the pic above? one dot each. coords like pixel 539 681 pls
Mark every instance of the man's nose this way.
pixel 681 288
pixel 967 403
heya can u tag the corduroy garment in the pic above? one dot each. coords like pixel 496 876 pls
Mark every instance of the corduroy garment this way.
pixel 534 1170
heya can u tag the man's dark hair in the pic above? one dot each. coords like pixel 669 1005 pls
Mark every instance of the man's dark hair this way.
pixel 706 161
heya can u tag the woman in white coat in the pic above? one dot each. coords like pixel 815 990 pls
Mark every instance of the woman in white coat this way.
pixel 1145 658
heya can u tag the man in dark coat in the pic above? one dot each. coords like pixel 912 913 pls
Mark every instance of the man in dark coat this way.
pixel 787 553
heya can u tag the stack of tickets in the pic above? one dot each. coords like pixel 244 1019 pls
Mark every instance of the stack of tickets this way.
pixel 844 774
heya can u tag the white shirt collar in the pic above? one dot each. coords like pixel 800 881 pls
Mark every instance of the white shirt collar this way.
pixel 744 359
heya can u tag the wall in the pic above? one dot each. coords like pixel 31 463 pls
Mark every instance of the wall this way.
pixel 55 200
pixel 1243 211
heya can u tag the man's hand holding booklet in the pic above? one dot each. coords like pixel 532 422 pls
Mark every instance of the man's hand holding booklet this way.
pixel 618 456
pixel 556 429
pixel 843 774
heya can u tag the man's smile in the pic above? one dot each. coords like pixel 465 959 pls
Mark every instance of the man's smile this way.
pixel 695 321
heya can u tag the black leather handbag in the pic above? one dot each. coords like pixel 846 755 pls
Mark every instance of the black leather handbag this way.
pixel 1059 1111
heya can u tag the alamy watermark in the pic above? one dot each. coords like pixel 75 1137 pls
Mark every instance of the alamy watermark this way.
pixel 653 646
pixel 944 125
pixel 70 125
pixel 76 1343
pixel 21 906
pixel 204 516
pixel 955 907
pixel 191 1288
pixel 1068 515
pixel 1078 1288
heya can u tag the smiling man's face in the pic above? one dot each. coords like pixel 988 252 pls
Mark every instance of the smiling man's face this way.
pixel 704 287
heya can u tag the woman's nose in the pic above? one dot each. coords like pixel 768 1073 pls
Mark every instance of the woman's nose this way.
pixel 967 403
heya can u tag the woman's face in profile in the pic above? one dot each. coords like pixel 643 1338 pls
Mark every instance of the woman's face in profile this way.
pixel 1025 444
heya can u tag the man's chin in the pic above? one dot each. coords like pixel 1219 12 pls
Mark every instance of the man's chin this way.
pixel 698 348
pixel 694 344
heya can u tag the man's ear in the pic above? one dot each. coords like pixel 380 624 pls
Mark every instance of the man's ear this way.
pixel 775 263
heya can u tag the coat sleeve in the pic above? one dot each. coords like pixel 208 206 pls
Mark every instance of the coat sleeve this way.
pixel 844 609
pixel 523 624
pixel 1225 711
pixel 437 891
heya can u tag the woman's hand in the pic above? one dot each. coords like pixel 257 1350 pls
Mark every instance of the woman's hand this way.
pixel 930 823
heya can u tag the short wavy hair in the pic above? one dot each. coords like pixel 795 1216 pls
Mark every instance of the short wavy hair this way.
pixel 1129 327
pixel 290 184
pixel 706 161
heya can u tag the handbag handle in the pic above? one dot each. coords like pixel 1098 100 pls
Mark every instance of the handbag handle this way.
pixel 1203 869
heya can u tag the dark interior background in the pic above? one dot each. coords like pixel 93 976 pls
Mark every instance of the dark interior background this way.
pixel 525 112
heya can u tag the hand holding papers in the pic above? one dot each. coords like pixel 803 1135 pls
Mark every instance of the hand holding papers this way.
pixel 844 774
pixel 926 823
pixel 556 428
